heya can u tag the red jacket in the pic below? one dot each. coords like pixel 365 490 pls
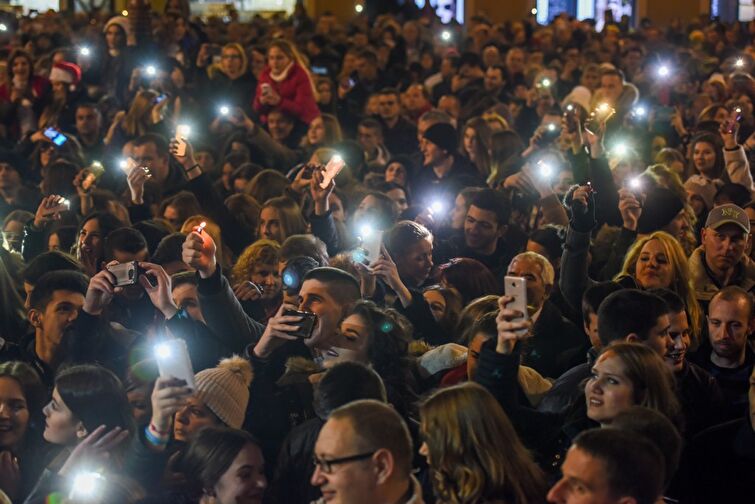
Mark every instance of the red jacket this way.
pixel 297 98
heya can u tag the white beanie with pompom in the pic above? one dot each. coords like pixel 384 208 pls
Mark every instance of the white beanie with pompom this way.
pixel 225 389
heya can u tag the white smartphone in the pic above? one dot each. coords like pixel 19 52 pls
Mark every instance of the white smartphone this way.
pixel 332 169
pixel 266 88
pixel 516 287
pixel 371 243
pixel 173 361
pixel 182 131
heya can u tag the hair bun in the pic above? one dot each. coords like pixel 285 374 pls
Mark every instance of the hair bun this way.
pixel 238 366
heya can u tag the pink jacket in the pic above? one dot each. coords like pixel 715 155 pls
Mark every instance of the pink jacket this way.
pixel 297 98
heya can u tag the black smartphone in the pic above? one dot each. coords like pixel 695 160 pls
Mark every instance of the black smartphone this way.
pixel 305 326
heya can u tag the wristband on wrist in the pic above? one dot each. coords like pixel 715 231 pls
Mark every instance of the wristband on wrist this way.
pixel 154 440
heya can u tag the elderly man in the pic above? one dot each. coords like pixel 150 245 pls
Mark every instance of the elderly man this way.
pixel 364 454
pixel 553 334
pixel 721 260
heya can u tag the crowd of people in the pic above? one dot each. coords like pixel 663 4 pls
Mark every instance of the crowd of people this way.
pixel 294 260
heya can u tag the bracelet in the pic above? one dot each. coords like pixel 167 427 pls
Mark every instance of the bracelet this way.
pixel 154 440
pixel 158 431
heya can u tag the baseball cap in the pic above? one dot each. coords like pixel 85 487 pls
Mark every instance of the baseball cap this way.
pixel 728 214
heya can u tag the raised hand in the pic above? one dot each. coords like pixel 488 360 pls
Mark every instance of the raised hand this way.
pixel 511 329
pixel 247 291
pixel 630 208
pixel 136 179
pixel 199 253
pixel 49 210
pixel 100 291
pixel 168 396
pixel 160 293
pixel 95 448
pixel 277 332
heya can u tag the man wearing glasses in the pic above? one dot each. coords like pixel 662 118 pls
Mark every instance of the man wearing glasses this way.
pixel 363 455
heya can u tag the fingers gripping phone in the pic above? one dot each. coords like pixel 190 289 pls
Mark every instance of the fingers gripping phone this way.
pixel 371 245
pixel 125 274
pixel 306 325
pixel 182 131
pixel 516 288
pixel 173 361
pixel 332 169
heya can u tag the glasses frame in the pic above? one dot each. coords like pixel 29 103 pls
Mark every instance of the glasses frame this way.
pixel 326 466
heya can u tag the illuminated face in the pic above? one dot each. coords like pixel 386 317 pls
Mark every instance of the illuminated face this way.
pixel 267 276
pixel 277 60
pixel 389 107
pixel 493 79
pixel 315 297
pixel 350 343
pixel 61 427
pixel 395 172
pixel 729 325
pixel 608 391
pixel 115 37
pixel 186 297
pixel 14 414
pixel 231 62
pixel 704 158
pixel 680 334
pixel 584 481
pixel 280 126
pixel 531 271
pixel 398 196
pixel 611 88
pixel 316 131
pixel 244 481
pixel 191 418
pixel 470 143
pixel 271 227
pixel 653 269
pixel 415 264
pixel 724 246
pixel 481 229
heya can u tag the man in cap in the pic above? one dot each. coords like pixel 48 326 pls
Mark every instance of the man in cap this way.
pixel 444 172
pixel 721 260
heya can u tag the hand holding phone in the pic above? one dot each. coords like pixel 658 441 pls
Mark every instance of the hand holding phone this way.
pixel 515 288
pixel 125 274
pixel 182 132
pixel 305 327
pixel 332 169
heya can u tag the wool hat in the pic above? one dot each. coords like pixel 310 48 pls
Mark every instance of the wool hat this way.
pixel 579 95
pixel 728 214
pixel 704 188
pixel 120 21
pixel 660 207
pixel 63 71
pixel 443 135
pixel 225 389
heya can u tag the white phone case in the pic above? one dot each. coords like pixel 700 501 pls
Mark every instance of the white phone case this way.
pixel 371 245
pixel 177 363
pixel 332 169
pixel 516 287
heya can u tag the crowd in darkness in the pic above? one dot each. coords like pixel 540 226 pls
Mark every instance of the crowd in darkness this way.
pixel 294 259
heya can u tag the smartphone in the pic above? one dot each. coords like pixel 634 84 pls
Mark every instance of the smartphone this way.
pixel 318 70
pixel 734 117
pixel 266 88
pixel 56 136
pixel 182 131
pixel 63 206
pixel 94 172
pixel 306 325
pixel 371 243
pixel 160 98
pixel 173 361
pixel 332 169
pixel 516 288
pixel 570 118
pixel 125 274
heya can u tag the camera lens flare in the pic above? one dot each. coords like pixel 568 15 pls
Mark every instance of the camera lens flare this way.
pixel 85 51
pixel 150 70
pixel 664 71
pixel 545 170
pixel 184 130
pixel 3 27
pixel 546 82
pixel 437 206
pixel 635 183
pixel 620 149
pixel 86 485
pixel 162 351
pixel 123 164
pixel 640 111
pixel 359 8
pixel 445 35
pixel 739 63
pixel 289 279
pixel 551 127
pixel 366 230
pixel 224 110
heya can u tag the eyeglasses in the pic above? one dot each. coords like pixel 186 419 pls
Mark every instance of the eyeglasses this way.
pixel 326 466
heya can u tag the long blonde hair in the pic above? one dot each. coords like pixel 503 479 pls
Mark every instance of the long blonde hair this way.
pixel 474 452
pixel 136 121
pixel 294 55
pixel 682 281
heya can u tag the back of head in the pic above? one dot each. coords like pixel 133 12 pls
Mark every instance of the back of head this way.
pixel 47 262
pixel 629 311
pixel 125 239
pixel 658 429
pixel 170 249
pixel 594 296
pixel 342 286
pixel 632 465
pixel 64 280
pixel 403 235
pixel 304 245
pixel 95 396
pixel 346 382
pixel 225 389
pixel 464 428
pixel 472 312
pixel 378 426
pixel 470 277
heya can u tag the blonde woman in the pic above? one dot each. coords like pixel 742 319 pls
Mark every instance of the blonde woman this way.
pixel 134 123
pixel 473 451
pixel 658 261
pixel 285 84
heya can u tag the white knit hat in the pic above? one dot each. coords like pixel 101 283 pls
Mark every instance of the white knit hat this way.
pixel 225 389
pixel 579 95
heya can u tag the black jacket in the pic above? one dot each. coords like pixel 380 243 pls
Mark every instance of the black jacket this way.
pixel 568 389
pixel 295 468
pixel 553 335
pixel 701 399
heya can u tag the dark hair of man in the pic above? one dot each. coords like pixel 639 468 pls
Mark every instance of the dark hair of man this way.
pixel 632 465
pixel 674 302
pixel 658 429
pixel 453 60
pixel 49 283
pixel 346 382
pixel 500 68
pixel 390 91
pixel 551 238
pixel 161 144
pixel 124 239
pixel 629 311
pixel 372 124
pixel 303 245
pixel 48 262
pixel 170 249
pixel 153 232
pixel 403 235
pixel 470 59
pixel 183 278
pixel 209 455
pixel 734 293
pixel 491 200
pixel 369 55
pixel 378 426
pixel 90 106
pixel 342 286
pixel 732 193
pixel 594 295
pixel 384 187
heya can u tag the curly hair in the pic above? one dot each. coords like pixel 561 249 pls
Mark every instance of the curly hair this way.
pixel 260 252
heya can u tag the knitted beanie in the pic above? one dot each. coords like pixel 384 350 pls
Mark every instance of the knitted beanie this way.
pixel 444 136
pixel 121 21
pixel 660 208
pixel 702 187
pixel 225 389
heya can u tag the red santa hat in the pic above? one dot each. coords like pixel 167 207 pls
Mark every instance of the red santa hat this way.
pixel 70 73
